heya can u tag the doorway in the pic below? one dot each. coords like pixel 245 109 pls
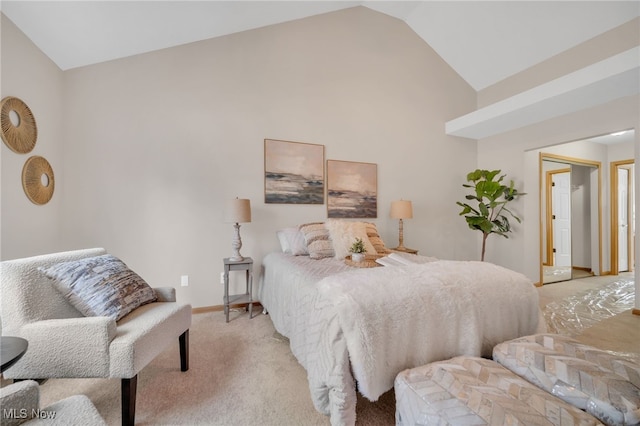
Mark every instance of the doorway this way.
pixel 622 216
pixel 558 242
pixel 570 218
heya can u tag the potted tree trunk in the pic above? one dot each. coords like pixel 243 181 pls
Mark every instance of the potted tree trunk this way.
pixel 486 207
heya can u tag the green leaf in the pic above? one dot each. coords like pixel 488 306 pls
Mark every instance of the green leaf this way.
pixel 489 175
pixel 491 216
pixel 475 175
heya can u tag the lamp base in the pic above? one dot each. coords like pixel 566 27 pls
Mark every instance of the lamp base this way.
pixel 236 244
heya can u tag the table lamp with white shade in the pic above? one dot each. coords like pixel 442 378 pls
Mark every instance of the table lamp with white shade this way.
pixel 237 211
pixel 401 210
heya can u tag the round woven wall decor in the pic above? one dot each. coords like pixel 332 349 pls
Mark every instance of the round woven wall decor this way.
pixel 37 180
pixel 18 126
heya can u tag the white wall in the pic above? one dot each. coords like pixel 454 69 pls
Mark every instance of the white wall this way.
pixel 152 145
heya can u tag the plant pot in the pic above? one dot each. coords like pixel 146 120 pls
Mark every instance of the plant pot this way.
pixel 357 257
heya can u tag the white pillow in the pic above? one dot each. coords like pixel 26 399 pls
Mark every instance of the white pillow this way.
pixel 292 241
pixel 344 233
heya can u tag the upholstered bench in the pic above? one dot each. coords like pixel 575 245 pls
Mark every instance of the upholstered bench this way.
pixel 603 384
pixel 477 391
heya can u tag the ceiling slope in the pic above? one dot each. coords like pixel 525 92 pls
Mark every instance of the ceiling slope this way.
pixel 602 82
pixel 483 41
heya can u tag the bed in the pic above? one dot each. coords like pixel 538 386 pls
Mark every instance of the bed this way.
pixel 355 329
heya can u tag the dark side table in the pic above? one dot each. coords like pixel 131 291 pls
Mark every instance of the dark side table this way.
pixel 11 350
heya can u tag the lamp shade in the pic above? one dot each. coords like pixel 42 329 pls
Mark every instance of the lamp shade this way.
pixel 401 209
pixel 237 210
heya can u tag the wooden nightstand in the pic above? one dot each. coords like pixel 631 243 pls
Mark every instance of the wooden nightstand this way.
pixel 404 250
pixel 245 264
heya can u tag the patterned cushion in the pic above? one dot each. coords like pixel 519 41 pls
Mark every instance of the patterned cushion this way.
pixel 318 240
pixel 375 239
pixel 343 234
pixel 477 391
pixel 604 384
pixel 292 241
pixel 100 286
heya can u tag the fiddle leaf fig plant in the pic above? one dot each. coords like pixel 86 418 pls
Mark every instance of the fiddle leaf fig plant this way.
pixel 486 207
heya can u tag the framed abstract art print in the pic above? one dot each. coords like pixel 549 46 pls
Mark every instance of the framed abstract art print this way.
pixel 293 172
pixel 352 189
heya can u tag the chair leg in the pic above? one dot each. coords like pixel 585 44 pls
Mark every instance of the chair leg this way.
pixel 184 351
pixel 129 400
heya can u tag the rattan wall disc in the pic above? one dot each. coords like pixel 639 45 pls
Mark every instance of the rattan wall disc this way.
pixel 18 130
pixel 37 180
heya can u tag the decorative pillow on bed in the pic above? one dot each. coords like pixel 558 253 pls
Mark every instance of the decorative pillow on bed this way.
pixel 100 286
pixel 292 241
pixel 343 234
pixel 318 240
pixel 375 239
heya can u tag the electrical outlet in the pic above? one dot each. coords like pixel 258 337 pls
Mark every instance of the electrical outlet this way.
pixel 184 280
pixel 221 277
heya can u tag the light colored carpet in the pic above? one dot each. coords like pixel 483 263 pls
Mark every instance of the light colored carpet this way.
pixel 244 373
pixel 241 373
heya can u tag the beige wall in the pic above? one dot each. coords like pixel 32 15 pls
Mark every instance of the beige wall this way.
pixel 599 48
pixel 517 151
pixel 152 145
pixel 29 75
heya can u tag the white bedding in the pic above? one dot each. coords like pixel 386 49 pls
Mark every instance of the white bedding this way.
pixel 365 325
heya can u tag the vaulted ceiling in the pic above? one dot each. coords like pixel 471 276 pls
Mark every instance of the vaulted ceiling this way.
pixel 483 41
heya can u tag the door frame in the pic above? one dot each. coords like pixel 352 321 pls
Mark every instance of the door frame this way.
pixel 580 162
pixel 614 165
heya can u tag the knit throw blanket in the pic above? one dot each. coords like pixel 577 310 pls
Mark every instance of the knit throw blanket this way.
pixel 400 317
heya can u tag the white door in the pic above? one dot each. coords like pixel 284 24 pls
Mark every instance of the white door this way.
pixel 623 219
pixel 561 211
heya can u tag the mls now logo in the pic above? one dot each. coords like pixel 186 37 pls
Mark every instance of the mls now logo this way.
pixel 23 413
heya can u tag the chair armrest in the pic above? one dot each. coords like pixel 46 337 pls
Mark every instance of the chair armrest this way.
pixel 19 401
pixel 69 347
pixel 165 294
pixel 74 410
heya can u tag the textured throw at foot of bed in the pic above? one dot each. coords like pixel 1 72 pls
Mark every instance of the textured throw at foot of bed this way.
pixel 477 391
pixel 365 325
pixel 605 384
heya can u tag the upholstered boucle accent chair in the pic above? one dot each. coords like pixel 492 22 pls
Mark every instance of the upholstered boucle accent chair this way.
pixel 20 404
pixel 63 343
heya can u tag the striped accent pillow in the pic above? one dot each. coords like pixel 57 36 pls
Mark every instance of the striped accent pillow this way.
pixel 375 239
pixel 318 240
pixel 100 286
